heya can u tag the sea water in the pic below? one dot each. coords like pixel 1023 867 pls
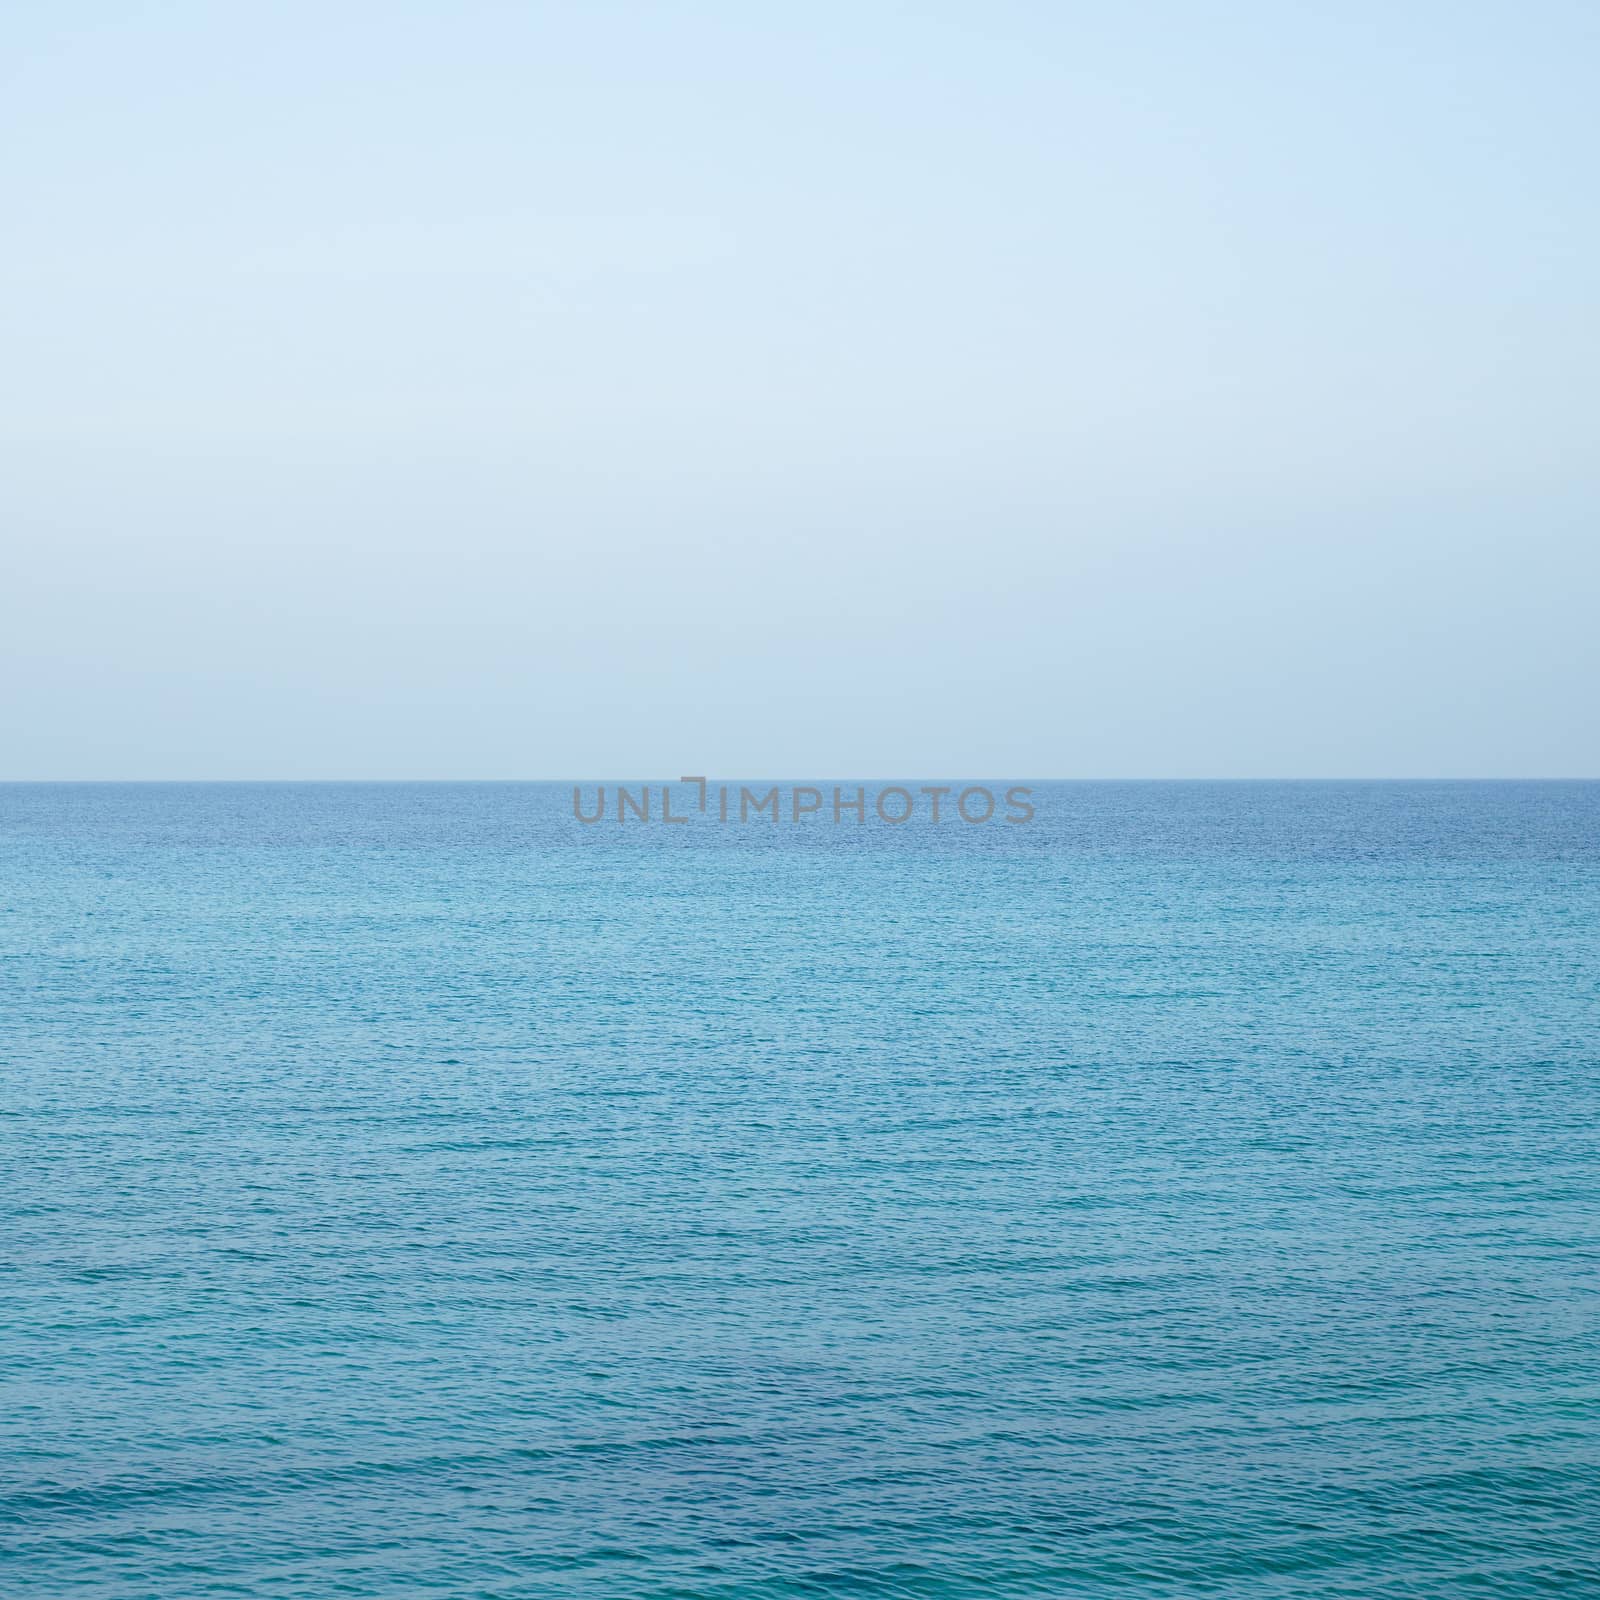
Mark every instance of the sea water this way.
pixel 408 1190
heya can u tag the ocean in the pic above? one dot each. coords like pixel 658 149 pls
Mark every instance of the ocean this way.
pixel 412 1191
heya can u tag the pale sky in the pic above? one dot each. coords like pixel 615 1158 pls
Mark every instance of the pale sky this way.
pixel 584 390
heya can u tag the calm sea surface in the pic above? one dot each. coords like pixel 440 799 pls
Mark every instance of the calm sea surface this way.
pixel 408 1192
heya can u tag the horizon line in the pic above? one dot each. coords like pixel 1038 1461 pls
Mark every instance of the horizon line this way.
pixel 852 778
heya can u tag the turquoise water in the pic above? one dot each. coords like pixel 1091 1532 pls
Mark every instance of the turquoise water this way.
pixel 409 1192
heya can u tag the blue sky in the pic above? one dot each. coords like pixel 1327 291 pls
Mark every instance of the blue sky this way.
pixel 496 390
